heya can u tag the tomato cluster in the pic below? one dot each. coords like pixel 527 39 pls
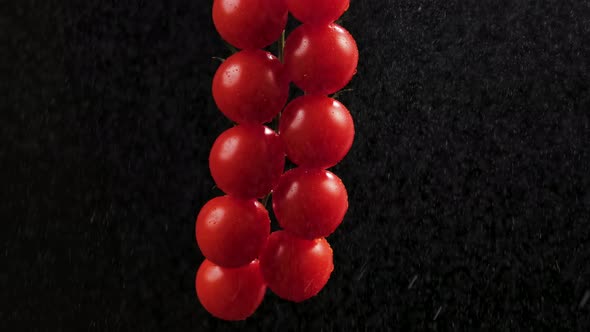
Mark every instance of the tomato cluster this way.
pixel 247 161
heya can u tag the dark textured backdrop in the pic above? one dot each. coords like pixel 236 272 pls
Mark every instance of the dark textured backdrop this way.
pixel 468 180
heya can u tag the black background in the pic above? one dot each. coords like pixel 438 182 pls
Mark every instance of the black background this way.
pixel 468 180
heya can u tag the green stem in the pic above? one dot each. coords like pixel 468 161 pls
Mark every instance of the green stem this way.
pixel 231 48
pixel 265 200
pixel 337 94
pixel 281 52
pixel 282 47
pixel 275 121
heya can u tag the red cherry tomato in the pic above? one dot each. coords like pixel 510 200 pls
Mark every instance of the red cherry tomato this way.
pixel 310 203
pixel 250 86
pixel 296 269
pixel 231 231
pixel 317 11
pixel 247 160
pixel 320 59
pixel 250 24
pixel 318 131
pixel 230 294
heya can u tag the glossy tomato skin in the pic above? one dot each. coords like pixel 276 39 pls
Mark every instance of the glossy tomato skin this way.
pixel 317 11
pixel 230 294
pixel 246 161
pixel 306 144
pixel 320 59
pixel 296 269
pixel 250 24
pixel 250 87
pixel 231 232
pixel 310 203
